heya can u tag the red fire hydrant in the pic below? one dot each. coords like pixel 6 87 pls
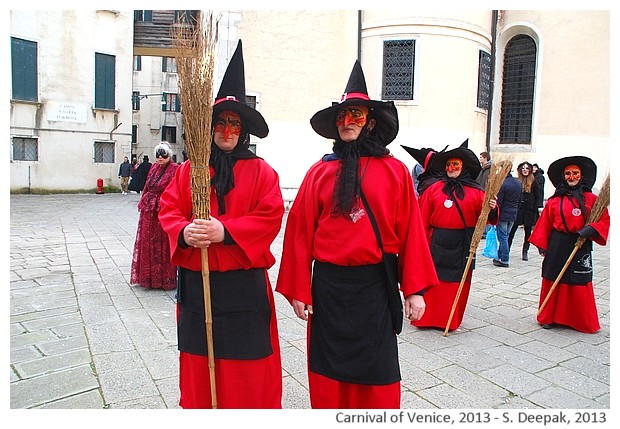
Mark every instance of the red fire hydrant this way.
pixel 100 186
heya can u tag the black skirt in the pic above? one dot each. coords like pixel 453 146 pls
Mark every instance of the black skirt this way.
pixel 240 309
pixel 561 244
pixel 351 334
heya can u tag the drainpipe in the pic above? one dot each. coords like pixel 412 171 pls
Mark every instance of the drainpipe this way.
pixel 114 129
pixel 492 82
pixel 359 35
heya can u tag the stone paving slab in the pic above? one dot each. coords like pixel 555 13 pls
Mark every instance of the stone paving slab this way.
pixel 82 338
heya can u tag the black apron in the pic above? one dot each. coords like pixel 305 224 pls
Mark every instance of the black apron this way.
pixel 561 244
pixel 351 334
pixel 241 314
pixel 450 251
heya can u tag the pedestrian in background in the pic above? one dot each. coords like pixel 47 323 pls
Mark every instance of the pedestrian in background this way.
pixel 539 175
pixel 508 199
pixel 124 172
pixel 138 177
pixel 150 265
pixel 531 200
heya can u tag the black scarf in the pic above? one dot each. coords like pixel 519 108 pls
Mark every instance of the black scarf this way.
pixel 348 181
pixel 223 179
pixel 454 187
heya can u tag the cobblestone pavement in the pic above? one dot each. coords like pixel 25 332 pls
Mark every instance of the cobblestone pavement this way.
pixel 82 338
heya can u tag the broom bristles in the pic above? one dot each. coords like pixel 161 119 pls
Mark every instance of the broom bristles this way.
pixel 195 55
pixel 601 203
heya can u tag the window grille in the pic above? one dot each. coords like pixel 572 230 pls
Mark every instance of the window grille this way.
pixel 104 152
pixel 25 149
pixel 398 68
pixel 519 75
pixel 484 79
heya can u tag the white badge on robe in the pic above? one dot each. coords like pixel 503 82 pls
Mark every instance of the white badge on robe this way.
pixel 448 203
pixel 576 212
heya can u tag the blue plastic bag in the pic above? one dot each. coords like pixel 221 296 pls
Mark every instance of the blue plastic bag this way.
pixel 490 245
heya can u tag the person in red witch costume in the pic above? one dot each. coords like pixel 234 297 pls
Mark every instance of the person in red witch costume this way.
pixel 331 269
pixel 450 208
pixel 247 210
pixel 561 222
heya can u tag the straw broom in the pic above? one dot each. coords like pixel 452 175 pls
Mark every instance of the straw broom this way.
pixel 598 208
pixel 498 173
pixel 195 55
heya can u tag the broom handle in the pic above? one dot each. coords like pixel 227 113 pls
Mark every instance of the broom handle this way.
pixel 578 244
pixel 458 293
pixel 209 323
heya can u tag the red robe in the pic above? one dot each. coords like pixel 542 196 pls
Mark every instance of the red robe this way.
pixel 435 214
pixel 313 234
pixel 253 218
pixel 150 265
pixel 571 305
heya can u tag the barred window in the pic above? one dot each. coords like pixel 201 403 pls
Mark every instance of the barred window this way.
pixel 484 79
pixel 398 68
pixel 134 134
pixel 519 76
pixel 25 149
pixel 104 152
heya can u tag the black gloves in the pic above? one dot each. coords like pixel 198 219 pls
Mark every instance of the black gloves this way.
pixel 542 252
pixel 587 232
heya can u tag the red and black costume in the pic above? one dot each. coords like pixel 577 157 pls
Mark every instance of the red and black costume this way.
pixel 331 260
pixel 562 221
pixel 450 209
pixel 245 197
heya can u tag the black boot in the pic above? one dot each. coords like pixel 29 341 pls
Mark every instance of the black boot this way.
pixel 526 247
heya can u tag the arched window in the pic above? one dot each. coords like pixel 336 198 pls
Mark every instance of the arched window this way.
pixel 518 91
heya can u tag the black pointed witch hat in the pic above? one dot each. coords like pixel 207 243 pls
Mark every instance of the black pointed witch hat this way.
pixel 422 156
pixel 470 160
pixel 356 94
pixel 231 96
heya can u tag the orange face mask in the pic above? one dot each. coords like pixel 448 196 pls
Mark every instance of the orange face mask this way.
pixel 454 164
pixel 355 115
pixel 228 123
pixel 572 172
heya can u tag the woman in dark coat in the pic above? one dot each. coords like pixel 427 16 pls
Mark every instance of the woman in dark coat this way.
pixel 138 177
pixel 531 199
